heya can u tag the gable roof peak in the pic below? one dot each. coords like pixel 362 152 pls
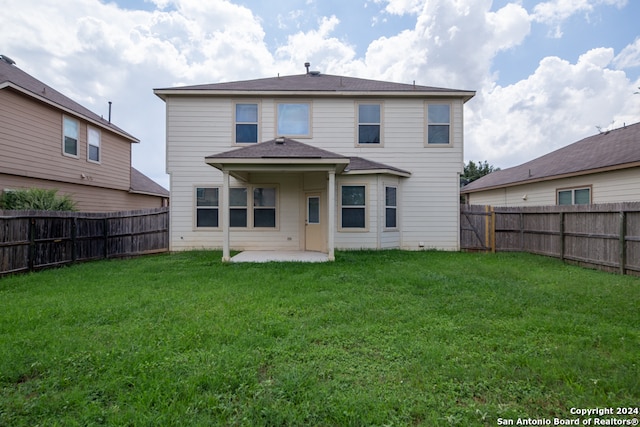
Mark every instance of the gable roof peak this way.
pixel 12 77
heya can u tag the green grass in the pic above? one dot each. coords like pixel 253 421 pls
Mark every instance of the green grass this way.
pixel 376 338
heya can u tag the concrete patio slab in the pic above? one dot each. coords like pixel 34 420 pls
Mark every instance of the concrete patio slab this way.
pixel 280 256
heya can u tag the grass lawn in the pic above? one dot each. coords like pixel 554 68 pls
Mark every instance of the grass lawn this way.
pixel 376 338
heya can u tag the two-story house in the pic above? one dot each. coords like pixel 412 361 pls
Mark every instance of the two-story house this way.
pixel 49 141
pixel 314 162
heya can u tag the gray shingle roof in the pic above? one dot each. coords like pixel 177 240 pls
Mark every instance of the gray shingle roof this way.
pixel 274 149
pixel 317 83
pixel 359 164
pixel 11 75
pixel 290 149
pixel 140 183
pixel 615 149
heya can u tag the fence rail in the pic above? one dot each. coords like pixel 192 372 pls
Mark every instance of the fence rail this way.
pixel 603 236
pixel 33 240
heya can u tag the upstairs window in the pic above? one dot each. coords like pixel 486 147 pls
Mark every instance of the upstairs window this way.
pixel 207 207
pixel 70 130
pixel 246 123
pixel 294 119
pixel 438 124
pixel 574 196
pixel 369 123
pixel 93 144
pixel 353 206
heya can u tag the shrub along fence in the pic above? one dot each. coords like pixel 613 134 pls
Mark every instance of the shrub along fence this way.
pixel 605 236
pixel 33 240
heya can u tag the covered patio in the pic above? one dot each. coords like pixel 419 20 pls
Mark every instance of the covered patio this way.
pixel 288 157
pixel 280 155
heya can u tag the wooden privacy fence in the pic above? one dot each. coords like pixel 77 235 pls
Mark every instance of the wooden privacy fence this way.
pixel 605 236
pixel 33 240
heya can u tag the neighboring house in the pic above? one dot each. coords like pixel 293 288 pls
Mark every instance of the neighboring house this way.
pixel 603 168
pixel 314 162
pixel 49 141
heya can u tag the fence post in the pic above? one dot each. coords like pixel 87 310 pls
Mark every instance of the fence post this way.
pixel 74 233
pixel 32 243
pixel 487 234
pixel 623 241
pixel 521 232
pixel 562 236
pixel 106 237
pixel 493 230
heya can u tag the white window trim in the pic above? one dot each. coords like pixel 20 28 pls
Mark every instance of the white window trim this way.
pixel 64 153
pixel 234 122
pixel 357 123
pixel 89 129
pixel 384 198
pixel 310 119
pixel 195 207
pixel 250 207
pixel 246 207
pixel 573 194
pixel 426 126
pixel 367 202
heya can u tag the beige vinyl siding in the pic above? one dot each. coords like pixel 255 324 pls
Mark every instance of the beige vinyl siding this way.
pixel 286 235
pixel 32 146
pixel 606 187
pixel 196 128
pixel 288 215
pixel 428 209
pixel 88 199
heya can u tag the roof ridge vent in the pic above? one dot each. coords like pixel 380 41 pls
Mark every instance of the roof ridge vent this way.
pixel 314 73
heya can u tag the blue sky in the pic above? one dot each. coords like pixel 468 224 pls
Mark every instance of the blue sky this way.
pixel 547 73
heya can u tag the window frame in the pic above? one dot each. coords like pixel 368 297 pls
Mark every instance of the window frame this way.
pixel 277 115
pixel 255 207
pixel 388 206
pixel 64 137
pixel 238 208
pixel 196 207
pixel 89 144
pixel 365 206
pixel 573 195
pixel 428 124
pixel 359 123
pixel 251 207
pixel 236 123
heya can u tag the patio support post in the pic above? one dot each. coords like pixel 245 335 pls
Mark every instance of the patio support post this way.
pixel 224 206
pixel 331 226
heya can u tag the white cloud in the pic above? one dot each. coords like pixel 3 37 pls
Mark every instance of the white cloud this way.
pixel 401 7
pixel 629 57
pixel 451 45
pixel 558 104
pixel 318 47
pixel 555 12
